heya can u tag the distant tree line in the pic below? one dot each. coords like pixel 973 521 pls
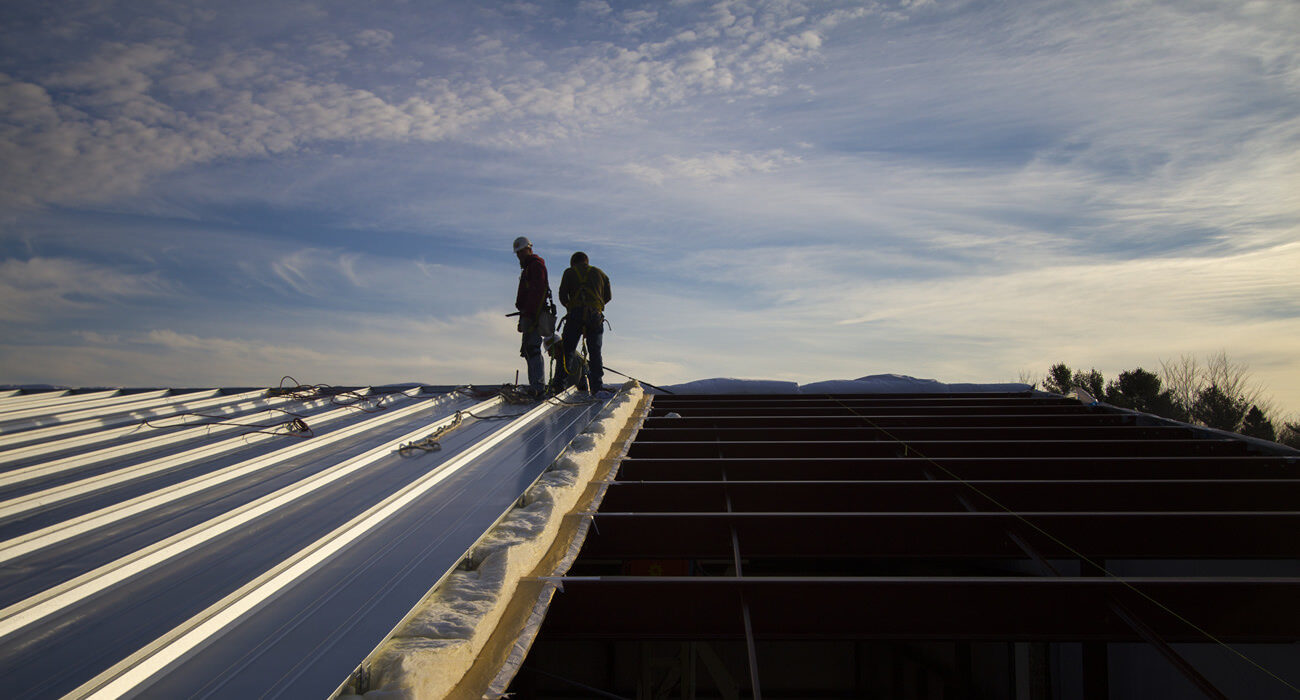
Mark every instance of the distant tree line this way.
pixel 1216 394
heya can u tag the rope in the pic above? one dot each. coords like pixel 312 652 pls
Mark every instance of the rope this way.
pixel 348 398
pixel 293 426
pixel 296 424
pixel 430 443
pixel 1109 574
pixel 639 381
pixel 513 395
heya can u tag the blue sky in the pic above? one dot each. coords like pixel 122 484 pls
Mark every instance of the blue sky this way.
pixel 222 193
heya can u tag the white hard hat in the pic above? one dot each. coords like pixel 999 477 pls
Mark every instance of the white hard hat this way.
pixel 521 243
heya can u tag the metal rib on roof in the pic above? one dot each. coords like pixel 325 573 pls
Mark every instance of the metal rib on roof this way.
pixel 188 543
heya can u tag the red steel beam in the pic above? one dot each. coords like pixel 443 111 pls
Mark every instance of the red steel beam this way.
pixel 973 468
pixel 936 496
pixel 961 535
pixel 985 608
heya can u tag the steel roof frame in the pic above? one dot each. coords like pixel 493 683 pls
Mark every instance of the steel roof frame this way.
pixel 1019 608
pixel 742 488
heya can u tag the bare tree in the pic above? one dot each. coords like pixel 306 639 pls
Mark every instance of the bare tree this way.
pixel 1233 379
pixel 1183 379
pixel 1219 393
pixel 1031 378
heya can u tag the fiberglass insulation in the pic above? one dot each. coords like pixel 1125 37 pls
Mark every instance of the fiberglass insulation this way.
pixel 429 654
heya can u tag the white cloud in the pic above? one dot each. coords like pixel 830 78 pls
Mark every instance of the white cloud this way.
pixel 135 110
pixel 1111 314
pixel 524 8
pixel 635 21
pixel 119 76
pixel 125 135
pixel 595 7
pixel 973 327
pixel 949 189
pixel 698 62
pixel 33 290
pixel 1138 299
pixel 331 48
pixel 319 273
pixel 340 350
pixel 716 166
pixel 375 38
pixel 407 281
pixel 709 166
pixel 26 105
pixel 645 173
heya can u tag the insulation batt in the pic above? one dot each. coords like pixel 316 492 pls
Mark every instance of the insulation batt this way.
pixel 430 654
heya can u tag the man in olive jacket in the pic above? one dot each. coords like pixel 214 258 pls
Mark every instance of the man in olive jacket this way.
pixel 584 292
pixel 534 287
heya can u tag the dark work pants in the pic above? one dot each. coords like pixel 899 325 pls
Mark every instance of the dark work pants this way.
pixel 588 322
pixel 531 350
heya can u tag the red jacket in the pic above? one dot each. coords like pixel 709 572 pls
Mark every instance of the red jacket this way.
pixel 533 286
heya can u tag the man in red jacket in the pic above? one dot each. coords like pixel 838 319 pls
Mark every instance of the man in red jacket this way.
pixel 534 288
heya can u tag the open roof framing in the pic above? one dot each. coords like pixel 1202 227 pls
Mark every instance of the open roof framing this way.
pixel 954 545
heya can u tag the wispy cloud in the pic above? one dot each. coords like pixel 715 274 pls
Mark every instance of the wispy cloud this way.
pixel 777 188
pixel 37 289
pixel 709 166
pixel 375 38
pixel 312 272
pixel 102 127
pixel 342 352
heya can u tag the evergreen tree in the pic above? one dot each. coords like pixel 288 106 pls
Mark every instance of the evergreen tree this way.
pixel 1092 382
pixel 1133 389
pixel 1290 435
pixel 1141 390
pixel 1256 425
pixel 1059 379
pixel 1218 395
pixel 1216 409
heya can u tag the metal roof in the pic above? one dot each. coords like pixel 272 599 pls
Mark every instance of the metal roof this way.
pixel 187 543
pixel 960 519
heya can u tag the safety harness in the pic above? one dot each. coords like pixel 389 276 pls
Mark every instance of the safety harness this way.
pixel 588 290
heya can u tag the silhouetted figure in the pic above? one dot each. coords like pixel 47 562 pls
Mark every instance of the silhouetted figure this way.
pixel 530 300
pixel 584 292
